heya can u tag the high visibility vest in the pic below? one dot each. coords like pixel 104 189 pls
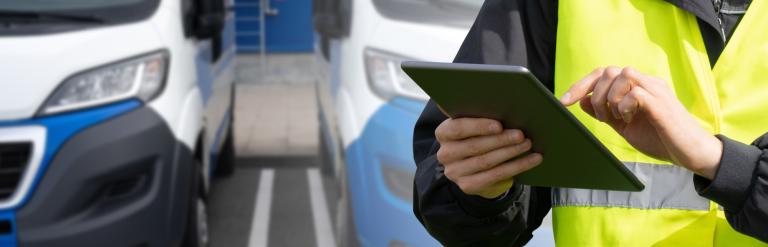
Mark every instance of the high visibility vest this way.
pixel 659 39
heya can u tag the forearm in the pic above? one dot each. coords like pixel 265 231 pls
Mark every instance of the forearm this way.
pixel 740 185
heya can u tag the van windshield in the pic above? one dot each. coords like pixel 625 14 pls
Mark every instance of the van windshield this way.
pixel 459 13
pixel 106 11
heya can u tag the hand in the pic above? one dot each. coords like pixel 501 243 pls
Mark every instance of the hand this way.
pixel 645 111
pixel 480 157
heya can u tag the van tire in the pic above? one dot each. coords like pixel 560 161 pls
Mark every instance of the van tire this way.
pixel 197 232
pixel 346 232
pixel 226 159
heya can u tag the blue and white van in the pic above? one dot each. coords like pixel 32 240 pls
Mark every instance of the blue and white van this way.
pixel 113 116
pixel 368 108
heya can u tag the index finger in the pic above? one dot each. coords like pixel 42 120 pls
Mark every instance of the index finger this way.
pixel 582 87
pixel 454 129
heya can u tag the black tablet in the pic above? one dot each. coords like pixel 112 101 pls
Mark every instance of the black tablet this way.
pixel 573 157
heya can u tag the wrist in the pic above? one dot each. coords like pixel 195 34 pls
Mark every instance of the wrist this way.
pixel 707 161
pixel 498 192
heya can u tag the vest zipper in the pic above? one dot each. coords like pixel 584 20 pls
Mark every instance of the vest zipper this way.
pixel 718 6
pixel 712 86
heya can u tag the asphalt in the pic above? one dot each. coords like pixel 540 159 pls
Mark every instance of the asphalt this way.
pixel 232 203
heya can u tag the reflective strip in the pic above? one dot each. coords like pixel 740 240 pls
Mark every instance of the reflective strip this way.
pixel 666 186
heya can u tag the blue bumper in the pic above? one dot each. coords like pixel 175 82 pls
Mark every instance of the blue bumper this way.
pixel 109 176
pixel 383 216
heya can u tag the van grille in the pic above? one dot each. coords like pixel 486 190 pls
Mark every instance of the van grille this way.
pixel 14 158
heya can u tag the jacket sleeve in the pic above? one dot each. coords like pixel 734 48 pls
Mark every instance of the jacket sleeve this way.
pixel 500 35
pixel 741 186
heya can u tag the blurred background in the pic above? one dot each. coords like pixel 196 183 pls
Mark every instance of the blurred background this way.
pixel 284 122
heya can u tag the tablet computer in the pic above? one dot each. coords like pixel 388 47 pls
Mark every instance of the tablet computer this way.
pixel 573 157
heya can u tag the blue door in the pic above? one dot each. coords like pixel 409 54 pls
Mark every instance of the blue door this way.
pixel 288 25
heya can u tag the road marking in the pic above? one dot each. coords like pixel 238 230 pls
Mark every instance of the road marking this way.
pixel 262 210
pixel 323 228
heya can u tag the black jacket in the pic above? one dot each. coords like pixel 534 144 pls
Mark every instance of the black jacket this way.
pixel 522 32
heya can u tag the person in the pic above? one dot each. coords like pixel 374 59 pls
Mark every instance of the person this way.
pixel 666 76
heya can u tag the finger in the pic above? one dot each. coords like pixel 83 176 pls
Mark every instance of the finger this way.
pixel 461 128
pixel 476 146
pixel 620 88
pixel 505 171
pixel 616 124
pixel 652 85
pixel 581 88
pixel 628 107
pixel 599 94
pixel 586 106
pixel 647 105
pixel 491 159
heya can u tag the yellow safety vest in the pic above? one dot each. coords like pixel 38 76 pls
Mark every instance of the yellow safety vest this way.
pixel 659 39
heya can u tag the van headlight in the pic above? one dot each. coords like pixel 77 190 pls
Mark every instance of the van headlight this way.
pixel 387 79
pixel 141 77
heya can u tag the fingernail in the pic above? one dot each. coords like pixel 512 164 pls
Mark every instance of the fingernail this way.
pixel 513 136
pixel 526 144
pixel 493 127
pixel 627 116
pixel 536 157
pixel 566 97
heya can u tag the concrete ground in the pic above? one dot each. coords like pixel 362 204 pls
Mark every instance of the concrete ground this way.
pixel 276 112
pixel 276 136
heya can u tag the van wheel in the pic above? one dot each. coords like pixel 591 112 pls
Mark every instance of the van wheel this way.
pixel 346 232
pixel 197 234
pixel 226 161
pixel 199 224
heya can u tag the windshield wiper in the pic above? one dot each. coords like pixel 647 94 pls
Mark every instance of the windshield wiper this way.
pixel 6 15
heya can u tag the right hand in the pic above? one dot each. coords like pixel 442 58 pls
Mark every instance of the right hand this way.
pixel 481 157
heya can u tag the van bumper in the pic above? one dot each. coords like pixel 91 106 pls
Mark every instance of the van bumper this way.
pixel 380 170
pixel 124 181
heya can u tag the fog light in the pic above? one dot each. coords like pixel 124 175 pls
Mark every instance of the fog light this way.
pixel 398 181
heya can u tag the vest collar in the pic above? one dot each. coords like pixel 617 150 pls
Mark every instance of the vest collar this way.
pixel 703 9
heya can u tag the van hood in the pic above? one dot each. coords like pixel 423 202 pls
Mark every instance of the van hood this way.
pixel 32 67
pixel 417 40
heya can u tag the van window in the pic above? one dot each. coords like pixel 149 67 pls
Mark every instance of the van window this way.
pixel 459 13
pixel 70 11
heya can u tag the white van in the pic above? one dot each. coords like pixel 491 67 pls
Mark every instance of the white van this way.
pixel 368 108
pixel 113 115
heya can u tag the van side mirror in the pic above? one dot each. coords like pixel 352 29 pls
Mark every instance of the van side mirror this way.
pixel 209 25
pixel 332 18
pixel 203 19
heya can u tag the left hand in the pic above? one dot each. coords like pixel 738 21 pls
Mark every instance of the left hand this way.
pixel 645 111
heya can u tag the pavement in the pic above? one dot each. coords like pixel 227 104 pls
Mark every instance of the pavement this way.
pixel 277 196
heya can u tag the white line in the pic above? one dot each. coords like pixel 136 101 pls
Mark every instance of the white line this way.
pixel 323 228
pixel 260 223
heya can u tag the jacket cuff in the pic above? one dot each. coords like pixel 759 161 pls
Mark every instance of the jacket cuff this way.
pixel 480 207
pixel 731 184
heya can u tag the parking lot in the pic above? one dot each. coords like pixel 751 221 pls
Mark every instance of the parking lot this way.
pixel 276 197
